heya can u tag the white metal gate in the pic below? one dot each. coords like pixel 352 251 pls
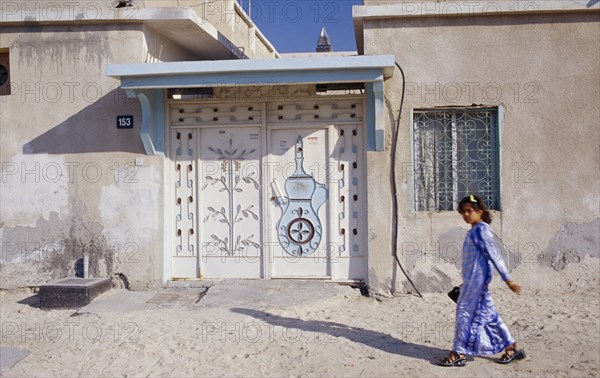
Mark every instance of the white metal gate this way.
pixel 272 190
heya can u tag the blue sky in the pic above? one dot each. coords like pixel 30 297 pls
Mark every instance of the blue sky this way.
pixel 295 25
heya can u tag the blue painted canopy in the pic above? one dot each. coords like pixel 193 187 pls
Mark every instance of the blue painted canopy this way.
pixel 342 69
pixel 147 81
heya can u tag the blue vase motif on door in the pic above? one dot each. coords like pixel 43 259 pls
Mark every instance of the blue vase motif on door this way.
pixel 299 229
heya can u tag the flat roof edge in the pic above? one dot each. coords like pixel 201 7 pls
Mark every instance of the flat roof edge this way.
pixel 98 14
pixel 470 8
pixel 259 66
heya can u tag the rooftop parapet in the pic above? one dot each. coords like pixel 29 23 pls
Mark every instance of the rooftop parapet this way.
pixel 223 20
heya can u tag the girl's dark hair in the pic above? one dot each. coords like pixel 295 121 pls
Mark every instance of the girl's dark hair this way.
pixel 478 204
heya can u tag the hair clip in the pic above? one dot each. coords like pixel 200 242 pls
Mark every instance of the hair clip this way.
pixel 473 198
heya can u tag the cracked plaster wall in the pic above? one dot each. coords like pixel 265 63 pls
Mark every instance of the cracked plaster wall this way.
pixel 69 185
pixel 548 75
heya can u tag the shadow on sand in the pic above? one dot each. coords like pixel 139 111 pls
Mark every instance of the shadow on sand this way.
pixel 373 339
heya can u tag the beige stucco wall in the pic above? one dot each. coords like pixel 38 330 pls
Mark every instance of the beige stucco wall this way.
pixel 221 24
pixel 69 184
pixel 231 21
pixel 544 71
pixel 158 48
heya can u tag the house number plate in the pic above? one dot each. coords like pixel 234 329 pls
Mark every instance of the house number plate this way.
pixel 125 122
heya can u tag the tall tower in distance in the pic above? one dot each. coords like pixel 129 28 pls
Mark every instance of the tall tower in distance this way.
pixel 324 43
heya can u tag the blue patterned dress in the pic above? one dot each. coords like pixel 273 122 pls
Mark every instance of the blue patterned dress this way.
pixel 479 329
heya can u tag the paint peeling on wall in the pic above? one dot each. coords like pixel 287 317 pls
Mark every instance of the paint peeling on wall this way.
pixel 445 260
pixel 434 281
pixel 511 255
pixel 571 244
pixel 47 251
pixel 450 245
pixel 33 188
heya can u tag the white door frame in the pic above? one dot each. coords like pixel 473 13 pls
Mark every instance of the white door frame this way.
pixel 168 191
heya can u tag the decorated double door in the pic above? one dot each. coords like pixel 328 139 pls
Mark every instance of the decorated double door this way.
pixel 266 201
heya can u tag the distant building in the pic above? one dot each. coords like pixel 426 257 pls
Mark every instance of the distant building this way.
pixel 324 43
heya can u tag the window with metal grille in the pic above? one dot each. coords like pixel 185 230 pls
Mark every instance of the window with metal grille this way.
pixel 456 153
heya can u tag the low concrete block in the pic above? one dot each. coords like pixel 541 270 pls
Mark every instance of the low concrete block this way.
pixel 72 292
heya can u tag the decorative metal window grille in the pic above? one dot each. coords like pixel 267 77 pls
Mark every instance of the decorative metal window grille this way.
pixel 455 154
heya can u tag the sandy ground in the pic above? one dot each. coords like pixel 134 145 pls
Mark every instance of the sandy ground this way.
pixel 338 333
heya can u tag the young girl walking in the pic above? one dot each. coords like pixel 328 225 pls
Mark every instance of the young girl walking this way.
pixel 479 329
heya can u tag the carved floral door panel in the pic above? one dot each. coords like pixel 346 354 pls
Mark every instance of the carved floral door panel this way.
pixel 281 198
pixel 216 210
pixel 230 207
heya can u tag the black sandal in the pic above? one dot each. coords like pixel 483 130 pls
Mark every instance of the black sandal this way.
pixel 453 359
pixel 510 354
